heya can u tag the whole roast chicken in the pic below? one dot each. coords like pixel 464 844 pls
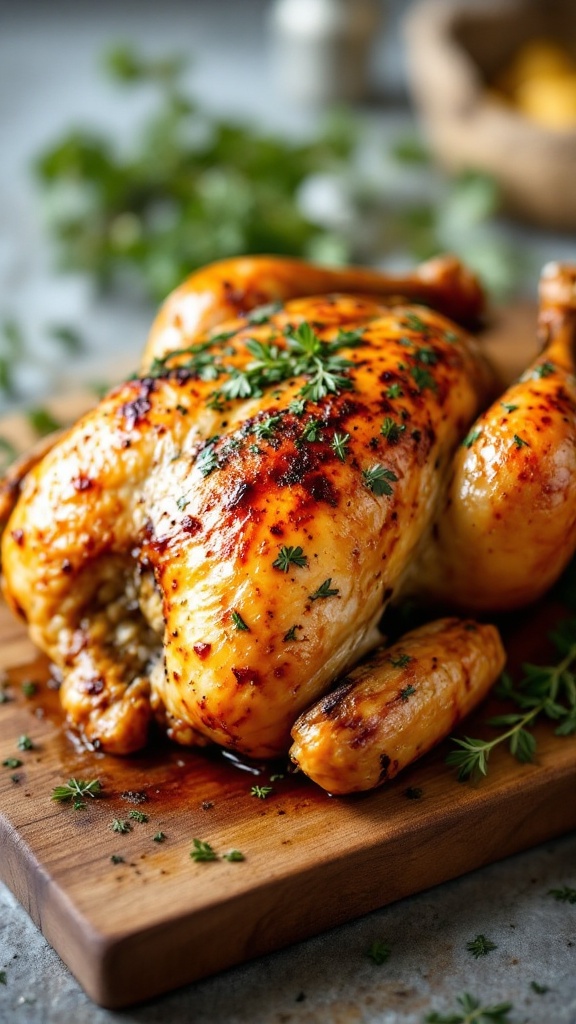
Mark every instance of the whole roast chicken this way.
pixel 214 545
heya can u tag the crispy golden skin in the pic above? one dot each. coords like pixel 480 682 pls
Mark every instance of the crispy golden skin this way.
pixel 145 549
pixel 395 708
pixel 124 503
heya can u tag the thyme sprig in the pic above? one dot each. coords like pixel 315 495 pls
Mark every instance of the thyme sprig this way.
pixel 545 690
pixel 75 788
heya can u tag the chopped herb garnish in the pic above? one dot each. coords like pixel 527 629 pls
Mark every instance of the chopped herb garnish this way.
pixel 324 590
pixel 139 816
pixel 509 406
pixel 159 837
pixel 266 428
pixel 182 502
pixel 548 690
pixel 29 688
pixel 399 660
pixel 233 856
pixel 415 323
pixel 79 805
pixel 427 356
pixel 297 406
pixel 423 378
pixel 12 762
pixel 25 743
pixel 276 778
pixel 391 430
pixel 288 556
pixel 239 623
pixel 394 391
pixel 117 859
pixel 349 339
pixel 291 634
pixel 312 431
pixel 379 952
pixel 413 793
pixel 480 946
pixel 202 851
pixel 378 480
pixel 407 692
pixel 339 445
pixel 540 990
pixel 473 436
pixel 564 895
pixel 77 788
pixel 262 314
pixel 470 1011
pixel 121 825
pixel 42 421
pixel 543 370
pixel 261 791
pixel 207 461
pixel 520 442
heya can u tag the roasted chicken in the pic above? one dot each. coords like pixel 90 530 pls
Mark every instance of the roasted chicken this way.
pixel 214 545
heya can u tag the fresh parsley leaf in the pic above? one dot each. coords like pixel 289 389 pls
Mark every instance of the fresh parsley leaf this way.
pixel 543 370
pixel 394 391
pixel 423 378
pixel 202 851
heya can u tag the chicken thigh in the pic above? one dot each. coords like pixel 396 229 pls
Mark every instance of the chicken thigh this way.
pixel 215 544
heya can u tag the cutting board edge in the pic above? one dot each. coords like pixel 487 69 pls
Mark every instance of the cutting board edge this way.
pixel 104 965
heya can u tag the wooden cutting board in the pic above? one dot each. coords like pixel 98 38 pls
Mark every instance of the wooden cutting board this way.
pixel 132 928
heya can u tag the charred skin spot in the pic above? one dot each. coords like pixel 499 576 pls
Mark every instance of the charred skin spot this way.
pixel 388 768
pixel 190 525
pixel 202 650
pixel 293 468
pixel 136 410
pixel 331 703
pixel 247 675
pixel 321 490
pixel 241 496
pixel 82 483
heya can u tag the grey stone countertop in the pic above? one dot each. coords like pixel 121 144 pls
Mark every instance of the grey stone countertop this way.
pixel 329 979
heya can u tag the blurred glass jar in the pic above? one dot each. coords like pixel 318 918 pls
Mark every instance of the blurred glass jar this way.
pixel 321 48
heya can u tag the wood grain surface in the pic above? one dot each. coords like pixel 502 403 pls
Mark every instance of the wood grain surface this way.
pixel 157 919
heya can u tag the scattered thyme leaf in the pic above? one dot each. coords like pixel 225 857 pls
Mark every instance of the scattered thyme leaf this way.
pixel 261 792
pixel 543 370
pixel 394 391
pixel 520 442
pixel 239 623
pixel 182 502
pixel 378 479
pixel 121 825
pixel 391 430
pixel 25 743
pixel 324 590
pixel 77 788
pixel 399 660
pixel 407 692
pixel 564 895
pixel 159 837
pixel 339 445
pixel 379 952
pixel 29 688
pixel 139 816
pixel 12 762
pixel 480 946
pixel 233 856
pixel 202 852
pixel 509 406
pixel 291 634
pixel 288 556
pixel 117 859
pixel 472 437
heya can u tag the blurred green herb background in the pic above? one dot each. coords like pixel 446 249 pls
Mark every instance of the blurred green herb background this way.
pixel 191 187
